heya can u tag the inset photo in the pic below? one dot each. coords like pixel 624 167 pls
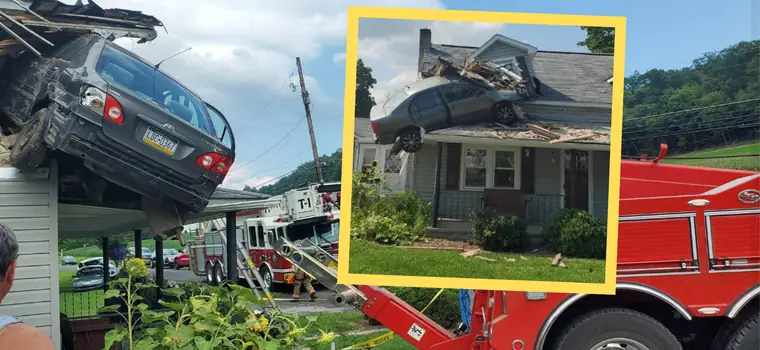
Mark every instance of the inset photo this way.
pixel 483 154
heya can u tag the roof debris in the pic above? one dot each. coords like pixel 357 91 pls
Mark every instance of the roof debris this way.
pixel 535 131
pixel 486 74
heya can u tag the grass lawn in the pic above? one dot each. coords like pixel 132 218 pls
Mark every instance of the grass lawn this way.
pixel 338 322
pixel 396 343
pixel 95 251
pixel 371 258
pixel 746 163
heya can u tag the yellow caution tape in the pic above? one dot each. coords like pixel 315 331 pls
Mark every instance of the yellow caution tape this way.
pixel 369 344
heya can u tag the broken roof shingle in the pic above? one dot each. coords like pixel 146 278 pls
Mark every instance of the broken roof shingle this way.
pixel 565 76
pixel 596 134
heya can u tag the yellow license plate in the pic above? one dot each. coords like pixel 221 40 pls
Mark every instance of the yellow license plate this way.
pixel 160 141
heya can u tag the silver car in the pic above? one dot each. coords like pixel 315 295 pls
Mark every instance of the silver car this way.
pixel 437 103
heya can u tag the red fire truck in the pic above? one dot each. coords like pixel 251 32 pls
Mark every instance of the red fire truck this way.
pixel 688 276
pixel 310 213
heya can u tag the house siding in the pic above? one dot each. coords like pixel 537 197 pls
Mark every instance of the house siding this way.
pixel 455 204
pixel 29 206
pixel 599 116
pixel 500 50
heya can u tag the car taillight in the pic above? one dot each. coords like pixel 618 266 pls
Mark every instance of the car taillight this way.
pixel 215 162
pixel 113 111
pixel 375 126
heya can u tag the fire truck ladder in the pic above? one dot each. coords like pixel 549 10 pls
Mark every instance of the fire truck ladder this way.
pixel 248 270
pixel 322 266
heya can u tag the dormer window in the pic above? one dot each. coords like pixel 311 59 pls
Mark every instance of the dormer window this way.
pixel 510 63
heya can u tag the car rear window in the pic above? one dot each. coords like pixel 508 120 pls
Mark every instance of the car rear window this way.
pixel 151 84
pixel 395 99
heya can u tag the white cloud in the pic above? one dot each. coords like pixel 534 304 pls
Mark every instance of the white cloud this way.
pixel 237 179
pixel 339 57
pixel 391 47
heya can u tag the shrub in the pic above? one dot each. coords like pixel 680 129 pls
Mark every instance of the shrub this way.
pixel 397 219
pixel 498 232
pixel 444 311
pixel 576 233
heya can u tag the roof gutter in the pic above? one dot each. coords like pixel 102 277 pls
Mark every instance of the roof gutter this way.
pixel 517 142
pixel 568 104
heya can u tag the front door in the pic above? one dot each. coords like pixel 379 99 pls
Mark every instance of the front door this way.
pixel 392 168
pixel 576 186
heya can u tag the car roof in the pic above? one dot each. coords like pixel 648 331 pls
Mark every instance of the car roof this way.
pixel 426 83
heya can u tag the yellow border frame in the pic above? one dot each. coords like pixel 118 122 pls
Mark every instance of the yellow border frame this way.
pixel 619 23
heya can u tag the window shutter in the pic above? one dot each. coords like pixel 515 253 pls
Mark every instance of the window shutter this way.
pixel 453 164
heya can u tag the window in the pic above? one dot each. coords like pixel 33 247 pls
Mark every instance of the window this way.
pixel 486 167
pixel 118 67
pixel 458 92
pixel 475 167
pixel 260 236
pixel 510 63
pixel 222 128
pixel 425 101
pixel 369 155
pixel 251 236
pixel 393 163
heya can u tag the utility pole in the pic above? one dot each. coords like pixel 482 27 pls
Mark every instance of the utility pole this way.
pixel 306 102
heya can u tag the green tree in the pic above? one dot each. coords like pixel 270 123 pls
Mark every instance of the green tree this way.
pixel 599 39
pixel 364 82
pixel 305 174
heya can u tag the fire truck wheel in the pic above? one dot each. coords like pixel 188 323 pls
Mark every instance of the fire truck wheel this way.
pixel 210 273
pixel 266 274
pixel 616 328
pixel 746 335
pixel 218 275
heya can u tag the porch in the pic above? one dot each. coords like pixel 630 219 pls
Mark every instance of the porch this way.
pixel 533 180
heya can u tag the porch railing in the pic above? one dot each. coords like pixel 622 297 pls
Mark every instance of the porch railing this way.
pixel 81 304
pixel 539 208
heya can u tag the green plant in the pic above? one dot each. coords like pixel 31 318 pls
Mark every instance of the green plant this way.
pixel 497 231
pixel 576 233
pixel 386 219
pixel 444 310
pixel 205 317
pixel 135 268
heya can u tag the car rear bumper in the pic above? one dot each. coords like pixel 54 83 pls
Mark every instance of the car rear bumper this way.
pixel 103 156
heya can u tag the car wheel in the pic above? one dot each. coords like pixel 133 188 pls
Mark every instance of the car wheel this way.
pixel 503 113
pixel 176 265
pixel 616 328
pixel 411 140
pixel 218 275
pixel 210 273
pixel 29 152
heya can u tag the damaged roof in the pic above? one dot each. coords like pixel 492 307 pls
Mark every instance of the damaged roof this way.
pixel 34 24
pixel 551 132
pixel 565 76
pixel 230 194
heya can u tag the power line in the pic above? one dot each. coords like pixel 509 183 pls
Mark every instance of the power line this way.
pixel 270 101
pixel 652 137
pixel 650 128
pixel 284 164
pixel 690 110
pixel 275 145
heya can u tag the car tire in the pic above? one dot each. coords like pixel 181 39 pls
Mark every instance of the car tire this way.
pixel 624 328
pixel 218 275
pixel 504 113
pixel 30 151
pixel 210 274
pixel 267 276
pixel 176 265
pixel 411 140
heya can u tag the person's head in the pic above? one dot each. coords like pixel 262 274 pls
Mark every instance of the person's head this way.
pixel 8 257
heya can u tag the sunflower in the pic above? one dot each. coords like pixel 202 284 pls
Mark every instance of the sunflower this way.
pixel 136 268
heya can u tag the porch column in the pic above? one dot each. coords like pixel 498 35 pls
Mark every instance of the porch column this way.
pixel 159 263
pixel 106 270
pixel 437 183
pixel 231 225
pixel 138 244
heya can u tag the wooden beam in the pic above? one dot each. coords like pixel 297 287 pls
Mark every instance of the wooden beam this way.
pixel 543 132
pixel 574 138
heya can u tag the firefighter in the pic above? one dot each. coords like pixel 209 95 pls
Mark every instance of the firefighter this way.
pixel 302 279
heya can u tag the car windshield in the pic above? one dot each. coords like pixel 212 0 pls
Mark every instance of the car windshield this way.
pixel 320 234
pixel 170 252
pixel 89 272
pixel 395 99
pixel 152 85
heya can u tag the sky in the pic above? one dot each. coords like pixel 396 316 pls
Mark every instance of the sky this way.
pixel 243 56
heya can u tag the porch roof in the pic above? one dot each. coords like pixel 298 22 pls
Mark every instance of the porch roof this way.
pixel 580 136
